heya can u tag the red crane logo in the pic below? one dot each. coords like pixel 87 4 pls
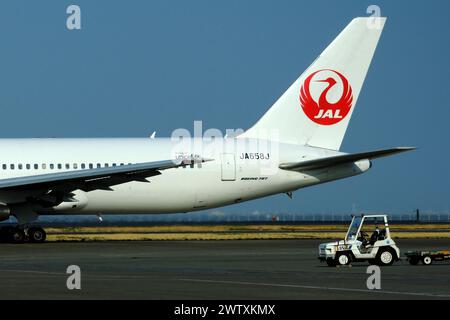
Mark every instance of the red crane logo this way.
pixel 322 111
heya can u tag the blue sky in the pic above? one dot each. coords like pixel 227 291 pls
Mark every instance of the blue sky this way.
pixel 139 66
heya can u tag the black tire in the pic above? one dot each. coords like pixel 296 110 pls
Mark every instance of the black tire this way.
pixel 330 262
pixel 426 260
pixel 36 235
pixel 385 257
pixel 343 259
pixel 16 235
pixel 414 261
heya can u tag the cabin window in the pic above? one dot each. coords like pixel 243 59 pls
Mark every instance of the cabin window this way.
pixel 44 166
pixel 83 166
pixel 4 166
pixel 99 165
pixel 67 166
pixel 75 166
pixel 36 166
pixel 12 166
pixel 20 166
pixel 59 166
pixel 28 166
pixel 106 165
pixel 52 166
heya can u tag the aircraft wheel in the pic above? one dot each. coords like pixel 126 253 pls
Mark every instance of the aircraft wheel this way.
pixel 16 235
pixel 36 235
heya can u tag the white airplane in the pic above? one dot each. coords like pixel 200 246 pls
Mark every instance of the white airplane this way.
pixel 294 145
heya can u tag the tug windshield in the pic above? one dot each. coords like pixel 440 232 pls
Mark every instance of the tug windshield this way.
pixel 353 230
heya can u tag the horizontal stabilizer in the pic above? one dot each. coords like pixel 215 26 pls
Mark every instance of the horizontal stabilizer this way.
pixel 345 158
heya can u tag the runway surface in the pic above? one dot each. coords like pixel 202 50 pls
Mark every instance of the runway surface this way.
pixel 257 269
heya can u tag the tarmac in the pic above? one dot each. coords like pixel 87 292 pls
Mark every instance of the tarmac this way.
pixel 241 269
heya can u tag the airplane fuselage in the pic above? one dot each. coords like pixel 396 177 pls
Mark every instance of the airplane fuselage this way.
pixel 237 170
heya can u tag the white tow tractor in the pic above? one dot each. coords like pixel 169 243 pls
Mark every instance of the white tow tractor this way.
pixel 358 246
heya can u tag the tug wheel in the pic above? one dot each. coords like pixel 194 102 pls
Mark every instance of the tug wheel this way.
pixel 385 257
pixel 427 260
pixel 343 259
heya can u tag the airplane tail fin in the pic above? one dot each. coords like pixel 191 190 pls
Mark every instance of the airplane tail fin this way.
pixel 317 107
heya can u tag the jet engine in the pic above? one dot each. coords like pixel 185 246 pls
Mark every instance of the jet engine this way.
pixel 75 201
pixel 5 211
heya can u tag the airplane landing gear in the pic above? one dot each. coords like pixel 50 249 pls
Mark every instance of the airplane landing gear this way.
pixel 36 235
pixel 17 234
